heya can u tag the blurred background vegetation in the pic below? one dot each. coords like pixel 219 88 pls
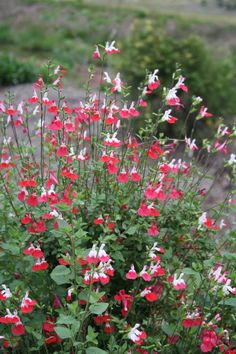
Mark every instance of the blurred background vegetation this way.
pixel 199 35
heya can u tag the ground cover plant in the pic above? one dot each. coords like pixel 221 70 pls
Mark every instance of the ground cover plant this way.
pixel 106 243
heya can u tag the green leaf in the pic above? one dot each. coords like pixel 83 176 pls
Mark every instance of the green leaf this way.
pixel 63 207
pixel 12 248
pixel 91 336
pixel 73 307
pixel 132 230
pixel 94 350
pixel 99 308
pixel 95 297
pixel 63 332
pixel 63 225
pixel 92 297
pixel 168 329
pixel 230 302
pixel 229 255
pixel 67 320
pixel 61 274
pixel 189 271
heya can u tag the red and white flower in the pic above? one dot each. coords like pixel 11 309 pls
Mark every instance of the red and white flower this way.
pixel 203 112
pixel 9 317
pixel 110 48
pixel 132 274
pixel 179 282
pixel 96 53
pixel 5 293
pixel 27 304
pixel 153 80
pixel 137 336
pixel 167 117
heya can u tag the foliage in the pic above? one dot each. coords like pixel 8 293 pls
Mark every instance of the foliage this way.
pixel 208 76
pixel 6 35
pixel 105 244
pixel 14 72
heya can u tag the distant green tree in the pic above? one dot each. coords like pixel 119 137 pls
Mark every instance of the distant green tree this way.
pixel 208 76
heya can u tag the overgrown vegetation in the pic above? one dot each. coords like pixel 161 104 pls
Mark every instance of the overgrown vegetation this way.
pixel 209 77
pixel 68 35
pixel 106 244
pixel 13 71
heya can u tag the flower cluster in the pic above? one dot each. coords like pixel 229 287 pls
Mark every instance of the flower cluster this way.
pixel 107 224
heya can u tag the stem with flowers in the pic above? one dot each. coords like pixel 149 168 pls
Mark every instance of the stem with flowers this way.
pixel 110 244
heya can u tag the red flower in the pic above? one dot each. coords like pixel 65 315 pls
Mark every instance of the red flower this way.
pixel 32 200
pixel 132 275
pixel 34 98
pixel 26 219
pixel 29 250
pixel 203 112
pixel 53 109
pixel 21 195
pixel 56 302
pixel 11 110
pixel 209 340
pixel 52 339
pixel 109 328
pixel 153 230
pixel 27 183
pixel 145 275
pixel 124 112
pixel 55 125
pixel 62 261
pixel 126 300
pixel 10 318
pixel 99 220
pixel 96 53
pixel 62 151
pixel 18 329
pixel 40 264
pixel 41 227
pixel 123 177
pixel 48 325
pixel 154 151
pixel 192 322
pixel 27 304
pixel 135 176
pixel 149 294
pixel 37 252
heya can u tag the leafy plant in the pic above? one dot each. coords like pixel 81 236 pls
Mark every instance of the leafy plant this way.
pixel 106 245
pixel 14 72
pixel 208 76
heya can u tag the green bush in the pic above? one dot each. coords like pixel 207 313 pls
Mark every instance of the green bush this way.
pixel 208 77
pixel 6 36
pixel 13 72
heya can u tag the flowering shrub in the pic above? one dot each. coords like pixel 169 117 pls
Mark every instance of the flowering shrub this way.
pixel 105 244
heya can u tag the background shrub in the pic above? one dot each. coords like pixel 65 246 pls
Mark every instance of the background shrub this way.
pixel 208 77
pixel 14 72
